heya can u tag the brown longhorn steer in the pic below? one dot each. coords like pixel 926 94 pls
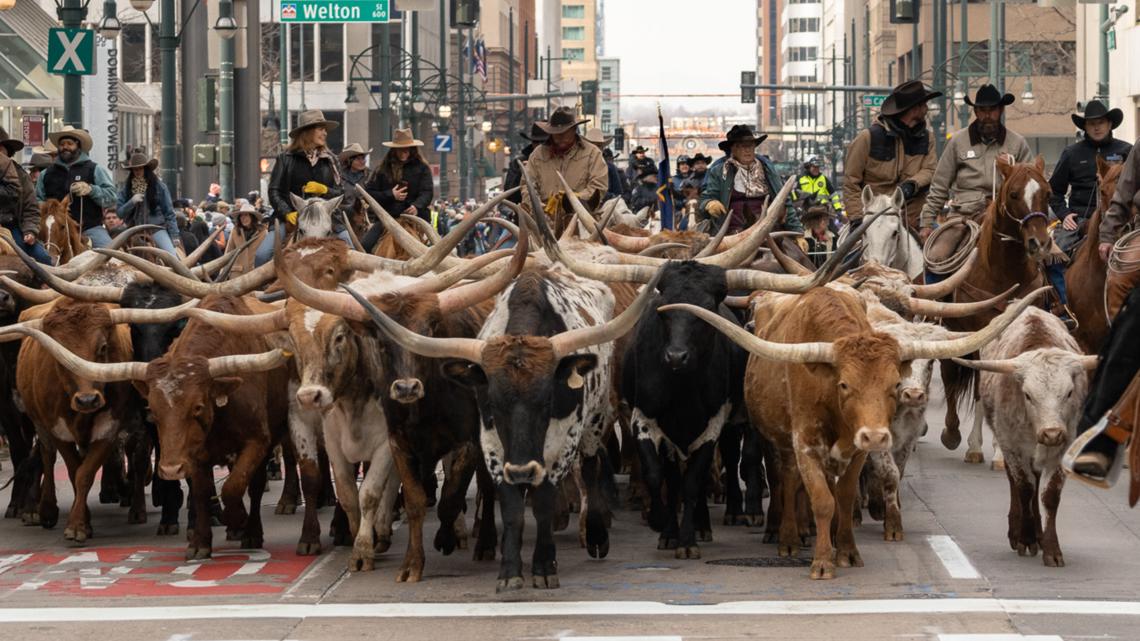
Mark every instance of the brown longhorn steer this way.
pixel 1085 277
pixel 827 403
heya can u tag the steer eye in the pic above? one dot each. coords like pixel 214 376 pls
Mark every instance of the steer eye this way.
pixel 198 410
pixel 843 387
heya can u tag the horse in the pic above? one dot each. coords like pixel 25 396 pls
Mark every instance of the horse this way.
pixel 314 216
pixel 1017 217
pixel 59 232
pixel 1085 278
pixel 887 240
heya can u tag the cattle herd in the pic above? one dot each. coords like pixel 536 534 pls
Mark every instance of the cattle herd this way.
pixel 692 363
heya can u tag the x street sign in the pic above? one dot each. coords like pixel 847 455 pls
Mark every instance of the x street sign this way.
pixel 71 52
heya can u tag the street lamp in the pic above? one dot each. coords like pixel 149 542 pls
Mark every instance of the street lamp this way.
pixel 226 28
pixel 445 111
pixel 7 4
pixel 486 126
pixel 141 5
pixel 1027 96
pixel 419 106
pixel 109 27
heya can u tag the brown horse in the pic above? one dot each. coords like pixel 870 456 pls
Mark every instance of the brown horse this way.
pixel 1086 275
pixel 1013 241
pixel 59 232
pixel 1123 266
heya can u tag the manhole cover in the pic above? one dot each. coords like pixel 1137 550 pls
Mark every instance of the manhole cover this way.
pixel 765 562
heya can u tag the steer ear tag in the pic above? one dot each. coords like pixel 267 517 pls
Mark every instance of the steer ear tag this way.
pixel 575 380
pixel 221 401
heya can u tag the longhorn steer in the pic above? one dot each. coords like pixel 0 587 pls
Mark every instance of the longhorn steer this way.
pixel 1033 384
pixel 828 404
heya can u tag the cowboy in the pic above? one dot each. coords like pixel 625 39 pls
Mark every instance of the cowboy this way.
pixel 613 174
pixel 738 184
pixel 36 164
pixel 579 162
pixel 700 166
pixel 818 241
pixel 968 164
pixel 74 174
pixel 353 171
pixel 514 172
pixel 897 151
pixel 813 184
pixel 145 200
pixel 638 160
pixel 19 212
pixel 645 193
pixel 1075 173
pixel 1119 212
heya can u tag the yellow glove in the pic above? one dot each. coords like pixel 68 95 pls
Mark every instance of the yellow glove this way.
pixel 554 203
pixel 291 218
pixel 715 208
pixel 803 243
pixel 314 188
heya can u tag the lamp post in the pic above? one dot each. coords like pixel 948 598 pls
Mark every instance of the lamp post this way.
pixel 109 27
pixel 167 47
pixel 71 14
pixel 1107 23
pixel 443 106
pixel 226 28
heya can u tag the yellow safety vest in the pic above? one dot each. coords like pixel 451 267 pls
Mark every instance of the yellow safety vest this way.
pixel 817 186
pixel 435 219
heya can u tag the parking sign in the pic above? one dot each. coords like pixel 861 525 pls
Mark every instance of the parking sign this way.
pixel 443 143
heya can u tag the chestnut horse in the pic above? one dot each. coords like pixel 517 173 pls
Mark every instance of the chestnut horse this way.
pixel 1086 275
pixel 1013 241
pixel 59 232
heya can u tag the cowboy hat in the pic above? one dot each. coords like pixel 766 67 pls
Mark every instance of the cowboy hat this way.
pixel 48 148
pixel 39 161
pixel 639 150
pixel 79 135
pixel 740 133
pixel 139 159
pixel 814 209
pixel 563 119
pixel 402 139
pixel 11 144
pixel 989 96
pixel 905 96
pixel 536 134
pixel 595 136
pixel 312 118
pixel 699 156
pixel 353 151
pixel 1097 109
pixel 646 172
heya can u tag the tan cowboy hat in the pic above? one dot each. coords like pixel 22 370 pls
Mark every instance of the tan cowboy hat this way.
pixel 48 148
pixel 595 135
pixel 140 159
pixel 403 139
pixel 312 118
pixel 352 151
pixel 563 119
pixel 74 133
pixel 11 144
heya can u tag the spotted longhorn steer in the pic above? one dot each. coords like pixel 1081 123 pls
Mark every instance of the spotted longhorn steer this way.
pixel 827 403
pixel 1033 384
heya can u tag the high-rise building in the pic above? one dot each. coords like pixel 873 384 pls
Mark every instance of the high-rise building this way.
pixel 768 62
pixel 609 94
pixel 579 43
pixel 800 43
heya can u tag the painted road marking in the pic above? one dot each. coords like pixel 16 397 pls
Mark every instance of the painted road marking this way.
pixel 952 557
pixel 839 607
pixel 673 638
pixel 999 637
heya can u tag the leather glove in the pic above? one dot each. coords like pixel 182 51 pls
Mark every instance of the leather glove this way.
pixel 137 199
pixel 908 189
pixel 554 203
pixel 715 208
pixel 314 188
pixel 291 218
pixel 81 188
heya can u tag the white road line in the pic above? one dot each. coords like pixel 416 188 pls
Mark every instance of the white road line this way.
pixel 842 607
pixel 310 573
pixel 999 637
pixel 952 557
pixel 673 638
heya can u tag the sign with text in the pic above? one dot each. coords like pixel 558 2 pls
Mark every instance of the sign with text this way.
pixel 71 52
pixel 33 125
pixel 873 100
pixel 335 10
pixel 443 143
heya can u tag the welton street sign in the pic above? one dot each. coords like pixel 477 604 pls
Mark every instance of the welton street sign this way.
pixel 334 10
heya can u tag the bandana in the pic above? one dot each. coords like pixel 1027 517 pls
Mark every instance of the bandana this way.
pixel 752 180
pixel 138 185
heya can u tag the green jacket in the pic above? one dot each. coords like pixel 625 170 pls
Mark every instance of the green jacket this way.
pixel 718 186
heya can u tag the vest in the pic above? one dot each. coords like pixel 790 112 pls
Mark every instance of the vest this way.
pixel 435 219
pixel 57 184
pixel 817 185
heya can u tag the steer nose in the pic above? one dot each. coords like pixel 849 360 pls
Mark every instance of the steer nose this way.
pixel 529 474
pixel 171 472
pixel 1051 436
pixel 311 397
pixel 87 402
pixel 873 439
pixel 406 390
pixel 914 396
pixel 676 357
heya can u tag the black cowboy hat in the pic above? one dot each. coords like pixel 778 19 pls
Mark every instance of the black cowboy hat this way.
pixel 536 134
pixel 11 144
pixel 813 209
pixel 639 150
pixel 905 96
pixel 989 96
pixel 740 133
pixel 647 170
pixel 563 119
pixel 699 156
pixel 1097 109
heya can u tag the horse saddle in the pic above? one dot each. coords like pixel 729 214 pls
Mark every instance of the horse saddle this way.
pixel 950 244
pixel 1120 425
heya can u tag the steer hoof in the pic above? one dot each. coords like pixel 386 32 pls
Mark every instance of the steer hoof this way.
pixel 285 508
pixel 754 520
pixel 445 540
pixel 891 533
pixel 549 582
pixel 788 550
pixel 30 518
pixel 998 465
pixel 167 529
pixel 770 537
pixel 1027 550
pixel 506 585
pixel 382 544
pixel 361 560
pixel 108 497
pixel 1054 559
pixel 704 536
pixel 848 559
pixel 308 549
pixel 252 542
pixel 197 553
pixel 951 439
pixel 598 550
pixel 135 517
pixel 975 458
pixel 78 536
pixel 688 552
pixel 10 513
pixel 412 574
pixel 664 543
pixel 484 553
pixel 822 570
pixel 49 517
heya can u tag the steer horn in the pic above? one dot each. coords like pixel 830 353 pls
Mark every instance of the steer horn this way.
pixel 469 349
pixel 103 294
pixel 924 307
pixel 221 366
pixel 424 226
pixel 168 259
pixel 266 323
pixel 968 344
pixel 85 262
pixel 188 287
pixel 351 233
pixel 453 300
pixel 780 352
pixel 661 248
pixel 30 294
pixel 193 257
pixel 100 372
pixel 711 247
pixel 947 287
pixel 570 341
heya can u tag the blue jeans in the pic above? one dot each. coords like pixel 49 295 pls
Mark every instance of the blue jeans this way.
pixel 35 250
pixel 1056 275
pixel 100 238
pixel 264 252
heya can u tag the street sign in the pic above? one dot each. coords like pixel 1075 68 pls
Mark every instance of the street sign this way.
pixel 334 10
pixel 1112 39
pixel 33 135
pixel 443 143
pixel 71 52
pixel 873 100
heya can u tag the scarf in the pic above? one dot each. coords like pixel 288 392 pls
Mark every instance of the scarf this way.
pixel 751 180
pixel 138 185
pixel 314 156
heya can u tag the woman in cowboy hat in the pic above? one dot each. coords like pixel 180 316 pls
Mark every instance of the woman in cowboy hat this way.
pixel 246 226
pixel 565 152
pixel 402 183
pixel 353 172
pixel 306 169
pixel 738 184
pixel 145 200
pixel 818 241
pixel 1074 181
pixel 904 156
pixel 89 185
pixel 19 212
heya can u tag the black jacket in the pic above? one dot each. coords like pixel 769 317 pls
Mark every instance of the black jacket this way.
pixel 1075 175
pixel 514 174
pixel 418 176
pixel 290 174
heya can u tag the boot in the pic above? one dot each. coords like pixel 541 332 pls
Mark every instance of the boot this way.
pixel 1093 457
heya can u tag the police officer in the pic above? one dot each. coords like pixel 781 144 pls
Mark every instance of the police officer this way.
pixel 814 184
pixel 1074 181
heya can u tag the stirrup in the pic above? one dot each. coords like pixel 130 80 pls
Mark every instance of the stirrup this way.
pixel 1068 459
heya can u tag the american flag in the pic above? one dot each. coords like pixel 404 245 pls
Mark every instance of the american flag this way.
pixel 479 60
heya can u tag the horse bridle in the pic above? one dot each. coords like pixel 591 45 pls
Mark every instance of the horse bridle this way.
pixel 1021 222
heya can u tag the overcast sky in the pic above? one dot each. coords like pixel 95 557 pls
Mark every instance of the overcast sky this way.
pixel 681 46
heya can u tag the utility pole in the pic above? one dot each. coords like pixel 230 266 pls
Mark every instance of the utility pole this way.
pixel 963 49
pixel 385 82
pixel 444 187
pixel 995 43
pixel 1107 23
pixel 461 125
pixel 72 14
pixel 168 47
pixel 415 71
pixel 511 76
pixel 939 30
pixel 283 60
pixel 225 97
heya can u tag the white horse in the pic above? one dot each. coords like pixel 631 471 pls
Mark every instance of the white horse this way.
pixel 887 240
pixel 314 216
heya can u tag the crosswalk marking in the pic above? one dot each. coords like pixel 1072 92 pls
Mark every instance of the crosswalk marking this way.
pixel 952 557
pixel 999 637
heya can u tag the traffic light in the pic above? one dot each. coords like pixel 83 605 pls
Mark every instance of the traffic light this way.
pixel 747 94
pixel 904 11
pixel 589 96
pixel 619 139
pixel 464 13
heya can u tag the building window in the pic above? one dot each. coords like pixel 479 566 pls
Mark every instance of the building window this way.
pixel 574 55
pixel 574 11
pixel 607 73
pixel 803 1
pixel 295 40
pixel 573 33
pixel 270 52
pixel 132 53
pixel 607 94
pixel 802 54
pixel 332 53
pixel 155 56
pixel 803 25
pixel 807 78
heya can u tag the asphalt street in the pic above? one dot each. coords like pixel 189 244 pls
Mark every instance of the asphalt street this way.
pixel 954 578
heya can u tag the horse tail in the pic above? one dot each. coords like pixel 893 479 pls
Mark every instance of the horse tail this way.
pixel 959 383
